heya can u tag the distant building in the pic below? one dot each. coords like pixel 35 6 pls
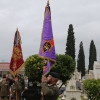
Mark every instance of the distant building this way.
pixel 4 69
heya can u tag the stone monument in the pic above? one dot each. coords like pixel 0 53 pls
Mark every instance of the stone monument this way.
pixel 96 69
pixel 73 89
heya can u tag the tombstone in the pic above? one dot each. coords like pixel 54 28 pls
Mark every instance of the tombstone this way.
pixel 96 69
pixel 91 74
pixel 73 89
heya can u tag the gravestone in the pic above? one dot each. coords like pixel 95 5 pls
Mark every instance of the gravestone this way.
pixel 73 89
pixel 96 69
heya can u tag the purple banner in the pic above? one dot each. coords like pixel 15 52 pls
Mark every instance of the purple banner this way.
pixel 47 47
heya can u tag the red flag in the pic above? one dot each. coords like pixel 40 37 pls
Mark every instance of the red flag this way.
pixel 17 61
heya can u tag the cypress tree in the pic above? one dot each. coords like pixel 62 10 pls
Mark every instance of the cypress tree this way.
pixel 81 60
pixel 95 53
pixel 92 55
pixel 70 45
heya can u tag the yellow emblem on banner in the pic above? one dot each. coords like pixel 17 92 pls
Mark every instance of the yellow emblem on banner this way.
pixel 17 53
pixel 16 56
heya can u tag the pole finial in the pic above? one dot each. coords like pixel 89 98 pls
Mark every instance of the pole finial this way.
pixel 48 2
pixel 17 28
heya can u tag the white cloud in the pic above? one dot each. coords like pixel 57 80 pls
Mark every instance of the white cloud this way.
pixel 29 16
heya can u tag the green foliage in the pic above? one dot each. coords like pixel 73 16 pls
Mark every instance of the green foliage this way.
pixel 92 55
pixel 92 86
pixel 81 60
pixel 33 67
pixel 70 45
pixel 65 67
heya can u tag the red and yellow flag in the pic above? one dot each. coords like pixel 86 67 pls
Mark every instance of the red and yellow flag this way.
pixel 17 61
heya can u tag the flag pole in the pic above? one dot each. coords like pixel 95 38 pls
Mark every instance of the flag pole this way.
pixel 16 95
pixel 17 28
pixel 48 2
pixel 43 60
pixel 42 75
